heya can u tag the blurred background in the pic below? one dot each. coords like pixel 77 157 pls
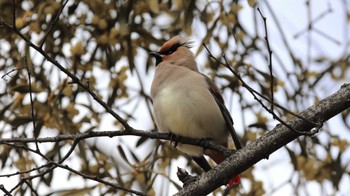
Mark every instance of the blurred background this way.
pixel 105 43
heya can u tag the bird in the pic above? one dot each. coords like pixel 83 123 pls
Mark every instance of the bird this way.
pixel 188 103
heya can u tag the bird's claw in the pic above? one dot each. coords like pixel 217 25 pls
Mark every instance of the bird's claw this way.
pixel 172 136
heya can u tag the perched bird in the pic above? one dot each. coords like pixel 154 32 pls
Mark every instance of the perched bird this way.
pixel 189 104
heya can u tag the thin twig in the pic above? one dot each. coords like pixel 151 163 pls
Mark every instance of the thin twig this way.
pixel 53 23
pixel 78 137
pixel 74 78
pixel 31 101
pixel 270 60
pixel 7 193
pixel 268 143
pixel 23 180
pixel 312 22
pixel 14 14
pixel 24 172
pixel 33 190
pixel 54 165
pixel 97 179
pixel 254 93
pixel 9 72
pixel 51 164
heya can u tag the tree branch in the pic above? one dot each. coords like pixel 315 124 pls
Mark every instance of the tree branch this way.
pixel 207 144
pixel 256 94
pixel 73 77
pixel 269 143
pixel 7 193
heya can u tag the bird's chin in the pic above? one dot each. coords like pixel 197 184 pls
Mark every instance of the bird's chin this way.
pixel 157 56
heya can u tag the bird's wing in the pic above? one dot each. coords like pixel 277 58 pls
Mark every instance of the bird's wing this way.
pixel 214 90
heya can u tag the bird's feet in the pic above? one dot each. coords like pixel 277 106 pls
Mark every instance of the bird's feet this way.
pixel 172 137
pixel 204 142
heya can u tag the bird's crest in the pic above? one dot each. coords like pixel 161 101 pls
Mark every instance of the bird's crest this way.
pixel 174 43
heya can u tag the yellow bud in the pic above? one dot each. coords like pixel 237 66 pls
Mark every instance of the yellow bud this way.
pixel 340 143
pixel 236 8
pixel 122 77
pixel 251 3
pixel 251 136
pixel 49 10
pixel 55 6
pixel 261 119
pixel 343 145
pixel 140 177
pixel 103 39
pixel 232 18
pixel 123 69
pixel 102 24
pixel 95 20
pixel 78 49
pixel 300 161
pixel 67 91
pixel 113 33
pixel 151 192
pixel 94 168
pixel 328 158
pixel 27 14
pixel 72 111
pixel 35 27
pixel 20 22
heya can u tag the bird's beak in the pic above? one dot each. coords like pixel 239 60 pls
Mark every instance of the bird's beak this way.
pixel 158 56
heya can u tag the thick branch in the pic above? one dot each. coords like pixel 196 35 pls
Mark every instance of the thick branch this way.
pixel 269 143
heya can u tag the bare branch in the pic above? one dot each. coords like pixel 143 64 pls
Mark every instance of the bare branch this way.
pixel 94 134
pixel 9 72
pixel 97 179
pixel 255 93
pixel 7 193
pixel 270 61
pixel 31 100
pixel 74 78
pixel 53 23
pixel 14 14
pixel 24 172
pixel 269 143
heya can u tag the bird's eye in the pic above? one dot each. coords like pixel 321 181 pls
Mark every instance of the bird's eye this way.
pixel 173 48
pixel 170 51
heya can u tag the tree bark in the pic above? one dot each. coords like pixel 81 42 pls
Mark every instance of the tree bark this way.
pixel 269 143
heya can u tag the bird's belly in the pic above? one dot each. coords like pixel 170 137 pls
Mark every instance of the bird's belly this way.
pixel 188 113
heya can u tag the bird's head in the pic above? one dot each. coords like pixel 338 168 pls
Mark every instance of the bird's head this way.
pixel 176 51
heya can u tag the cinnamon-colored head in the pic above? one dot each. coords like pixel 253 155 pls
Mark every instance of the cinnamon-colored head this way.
pixel 176 51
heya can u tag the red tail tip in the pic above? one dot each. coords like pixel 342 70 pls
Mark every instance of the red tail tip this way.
pixel 235 180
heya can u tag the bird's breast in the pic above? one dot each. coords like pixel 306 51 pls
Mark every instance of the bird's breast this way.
pixel 188 109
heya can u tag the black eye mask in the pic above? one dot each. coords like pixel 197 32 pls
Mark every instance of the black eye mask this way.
pixel 172 49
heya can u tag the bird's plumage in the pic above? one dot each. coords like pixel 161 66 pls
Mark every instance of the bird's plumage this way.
pixel 186 102
pixel 207 120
